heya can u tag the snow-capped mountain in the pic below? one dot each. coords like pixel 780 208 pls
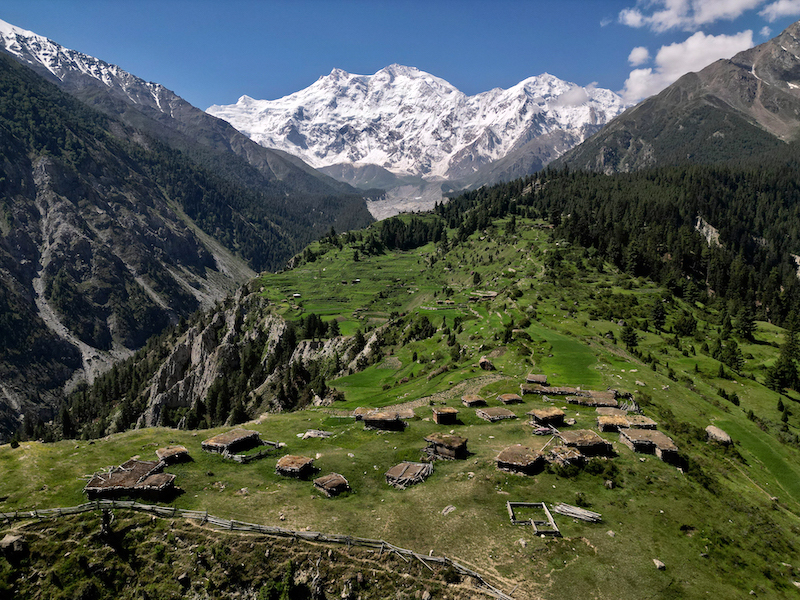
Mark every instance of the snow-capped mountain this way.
pixel 63 64
pixel 413 123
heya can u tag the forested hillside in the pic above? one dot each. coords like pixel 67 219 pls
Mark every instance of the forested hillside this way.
pixel 108 235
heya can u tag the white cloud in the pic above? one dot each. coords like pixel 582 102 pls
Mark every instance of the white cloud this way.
pixel 639 56
pixel 765 32
pixel 688 15
pixel 781 8
pixel 696 52
pixel 572 97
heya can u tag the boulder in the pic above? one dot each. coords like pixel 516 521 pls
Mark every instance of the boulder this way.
pixel 485 364
pixel 715 434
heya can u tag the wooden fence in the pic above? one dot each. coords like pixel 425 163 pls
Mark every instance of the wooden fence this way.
pixel 232 525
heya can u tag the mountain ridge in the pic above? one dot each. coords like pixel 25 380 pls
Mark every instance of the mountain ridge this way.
pixel 412 123
pixel 734 109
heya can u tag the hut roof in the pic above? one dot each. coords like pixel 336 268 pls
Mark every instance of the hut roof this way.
pixel 564 455
pixel 445 410
pixel 446 439
pixel 587 400
pixel 230 438
pixel 293 463
pixel 518 455
pixel 131 476
pixel 657 438
pixel 610 410
pixel 602 395
pixel 547 412
pixel 640 422
pixel 332 484
pixel 534 378
pixel 383 420
pixel 495 413
pixel 407 473
pixel 472 400
pixel 581 438
pixel 509 398
pixel 611 422
pixel 172 453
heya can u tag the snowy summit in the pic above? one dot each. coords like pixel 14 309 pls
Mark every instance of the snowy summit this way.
pixel 413 123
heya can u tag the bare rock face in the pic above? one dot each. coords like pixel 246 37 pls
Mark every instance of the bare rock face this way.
pixel 206 353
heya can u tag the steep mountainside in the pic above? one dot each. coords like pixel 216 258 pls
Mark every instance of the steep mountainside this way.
pixel 317 201
pixel 732 110
pixel 412 123
pixel 97 252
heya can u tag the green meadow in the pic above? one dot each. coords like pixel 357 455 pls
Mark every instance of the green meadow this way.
pixel 724 522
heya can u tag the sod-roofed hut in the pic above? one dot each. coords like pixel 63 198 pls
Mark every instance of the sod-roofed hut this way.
pixel 611 422
pixel 589 398
pixel 472 400
pixel 385 421
pixel 446 445
pixel 172 454
pixel 132 478
pixel 585 441
pixel 293 465
pixel 332 484
pixel 510 398
pixel 537 379
pixel 495 413
pixel 548 416
pixel 564 456
pixel 230 442
pixel 640 422
pixel 650 441
pixel 610 411
pixel 533 388
pixel 445 415
pixel 408 473
pixel 519 459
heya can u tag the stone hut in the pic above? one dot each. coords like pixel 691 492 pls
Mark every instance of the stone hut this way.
pixel 408 473
pixel 445 415
pixel 173 454
pixel 293 465
pixel 132 478
pixel 230 442
pixel 650 441
pixel 385 421
pixel 519 459
pixel 510 398
pixel 610 411
pixel 536 388
pixel 564 456
pixel 332 485
pixel 472 400
pixel 611 422
pixel 446 445
pixel 495 413
pixel 537 379
pixel 640 422
pixel 585 441
pixel 715 434
pixel 590 398
pixel 549 416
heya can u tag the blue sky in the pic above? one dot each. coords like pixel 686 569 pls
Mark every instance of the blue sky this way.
pixel 212 52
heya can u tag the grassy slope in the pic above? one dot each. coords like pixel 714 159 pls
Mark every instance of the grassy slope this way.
pixel 715 527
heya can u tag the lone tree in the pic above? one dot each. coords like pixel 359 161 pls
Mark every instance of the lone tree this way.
pixel 629 337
